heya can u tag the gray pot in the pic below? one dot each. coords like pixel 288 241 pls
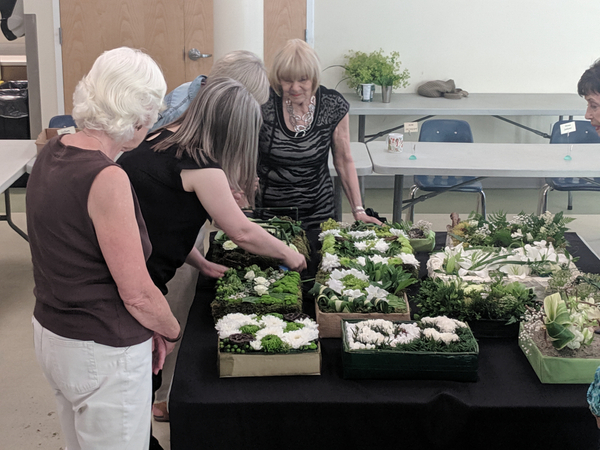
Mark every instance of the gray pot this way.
pixel 386 94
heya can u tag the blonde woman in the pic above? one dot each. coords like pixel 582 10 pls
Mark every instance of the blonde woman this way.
pixel 98 315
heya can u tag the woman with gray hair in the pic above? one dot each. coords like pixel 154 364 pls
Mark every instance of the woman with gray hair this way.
pixel 100 324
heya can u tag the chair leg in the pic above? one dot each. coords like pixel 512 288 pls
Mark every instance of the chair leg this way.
pixel 569 200
pixel 543 199
pixel 483 207
pixel 410 214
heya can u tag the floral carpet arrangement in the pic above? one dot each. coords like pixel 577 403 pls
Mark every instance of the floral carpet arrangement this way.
pixel 224 251
pixel 365 268
pixel 498 231
pixel 559 340
pixel 253 345
pixel 432 348
pixel 476 302
pixel 253 290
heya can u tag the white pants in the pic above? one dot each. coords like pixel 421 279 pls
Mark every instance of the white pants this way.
pixel 103 393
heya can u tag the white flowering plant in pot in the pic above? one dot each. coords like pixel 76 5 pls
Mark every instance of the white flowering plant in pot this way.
pixel 522 229
pixel 269 333
pixel 254 290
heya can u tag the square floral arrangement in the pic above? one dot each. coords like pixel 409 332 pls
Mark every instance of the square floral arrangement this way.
pixel 253 290
pixel 224 251
pixel 432 348
pixel 498 231
pixel 492 309
pixel 559 340
pixel 268 345
pixel 365 270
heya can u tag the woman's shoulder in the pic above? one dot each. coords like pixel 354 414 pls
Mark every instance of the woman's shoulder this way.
pixel 269 109
pixel 333 105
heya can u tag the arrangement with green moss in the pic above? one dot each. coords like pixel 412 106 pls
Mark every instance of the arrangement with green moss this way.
pixel 254 290
pixel 365 268
pixel 269 333
pixel 224 251
pixel 475 301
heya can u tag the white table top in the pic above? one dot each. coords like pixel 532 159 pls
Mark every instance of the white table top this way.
pixel 488 160
pixel 473 105
pixel 14 156
pixel 362 160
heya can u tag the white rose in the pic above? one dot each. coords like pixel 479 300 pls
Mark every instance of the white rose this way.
pixel 229 245
pixel 261 289
pixel 249 275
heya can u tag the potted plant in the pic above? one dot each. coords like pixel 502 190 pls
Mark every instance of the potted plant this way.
pixel 359 74
pixel 387 73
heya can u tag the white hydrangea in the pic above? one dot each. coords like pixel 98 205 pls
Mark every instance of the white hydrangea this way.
pixel 397 232
pixel 375 292
pixel 446 338
pixel 333 232
pixel 362 246
pixel 376 259
pixel 330 262
pixel 443 323
pixel 362 234
pixel 381 246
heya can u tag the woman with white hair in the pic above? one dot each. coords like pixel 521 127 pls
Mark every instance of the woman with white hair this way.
pixel 100 324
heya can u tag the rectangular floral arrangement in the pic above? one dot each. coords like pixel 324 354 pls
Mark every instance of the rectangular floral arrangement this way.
pixel 224 251
pixel 492 309
pixel 531 264
pixel 268 345
pixel 363 274
pixel 559 340
pixel 436 348
pixel 255 291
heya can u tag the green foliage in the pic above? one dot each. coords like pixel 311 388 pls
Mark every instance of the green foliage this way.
pixel 462 301
pixel 557 321
pixel 375 67
pixel 249 329
pixel 293 326
pixel 273 344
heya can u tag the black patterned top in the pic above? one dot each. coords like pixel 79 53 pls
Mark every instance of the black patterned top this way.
pixel 292 167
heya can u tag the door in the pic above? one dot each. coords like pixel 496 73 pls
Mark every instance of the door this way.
pixel 166 29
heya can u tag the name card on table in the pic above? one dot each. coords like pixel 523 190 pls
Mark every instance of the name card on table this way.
pixel 409 127
pixel 568 127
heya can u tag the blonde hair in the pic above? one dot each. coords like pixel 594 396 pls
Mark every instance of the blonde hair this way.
pixel 221 124
pixel 248 69
pixel 123 89
pixel 295 60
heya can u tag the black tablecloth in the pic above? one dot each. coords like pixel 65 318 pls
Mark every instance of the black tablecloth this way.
pixel 506 408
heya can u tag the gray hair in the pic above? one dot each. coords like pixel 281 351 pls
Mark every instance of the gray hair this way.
pixel 124 89
pixel 221 124
pixel 295 60
pixel 248 69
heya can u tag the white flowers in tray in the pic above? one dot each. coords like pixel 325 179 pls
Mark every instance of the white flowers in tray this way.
pixel 269 333
pixel 435 334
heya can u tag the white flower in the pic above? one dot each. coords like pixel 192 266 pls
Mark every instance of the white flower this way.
pixel 333 232
pixel 352 293
pixel 444 324
pixel 339 274
pixel 262 281
pixel 299 338
pixel 261 289
pixel 229 245
pixel 409 259
pixel 446 338
pixel 249 275
pixel 379 259
pixel 517 234
pixel 362 234
pixel 273 322
pixel 362 246
pixel 397 232
pixel 529 237
pixel 361 260
pixel 381 246
pixel 375 292
pixel 336 285
pixel 330 262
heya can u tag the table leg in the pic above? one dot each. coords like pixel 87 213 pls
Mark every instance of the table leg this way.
pixel 8 216
pixel 397 207
pixel 361 128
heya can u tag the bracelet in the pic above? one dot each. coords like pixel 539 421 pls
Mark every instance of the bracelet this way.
pixel 172 341
pixel 358 210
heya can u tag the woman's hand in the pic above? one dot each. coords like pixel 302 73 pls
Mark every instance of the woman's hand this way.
pixel 364 217
pixel 212 270
pixel 160 349
pixel 295 261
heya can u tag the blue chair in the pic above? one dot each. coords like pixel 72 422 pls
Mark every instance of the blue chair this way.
pixel 62 121
pixel 584 133
pixel 445 130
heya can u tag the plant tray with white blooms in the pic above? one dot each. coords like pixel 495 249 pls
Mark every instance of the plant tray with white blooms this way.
pixel 363 274
pixel 530 265
pixel 255 291
pixel 434 348
pixel 268 345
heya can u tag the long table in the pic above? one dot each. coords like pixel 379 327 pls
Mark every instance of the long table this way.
pixel 483 160
pixel 14 157
pixel 506 408
pixel 495 105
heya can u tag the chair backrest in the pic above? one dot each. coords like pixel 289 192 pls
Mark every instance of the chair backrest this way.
pixel 445 130
pixel 584 133
pixel 61 121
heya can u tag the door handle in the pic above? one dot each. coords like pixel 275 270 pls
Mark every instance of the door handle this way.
pixel 194 54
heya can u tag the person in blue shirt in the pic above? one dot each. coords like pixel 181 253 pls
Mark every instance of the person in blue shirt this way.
pixel 593 397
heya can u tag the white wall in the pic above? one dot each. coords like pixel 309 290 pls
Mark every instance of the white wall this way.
pixel 502 46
